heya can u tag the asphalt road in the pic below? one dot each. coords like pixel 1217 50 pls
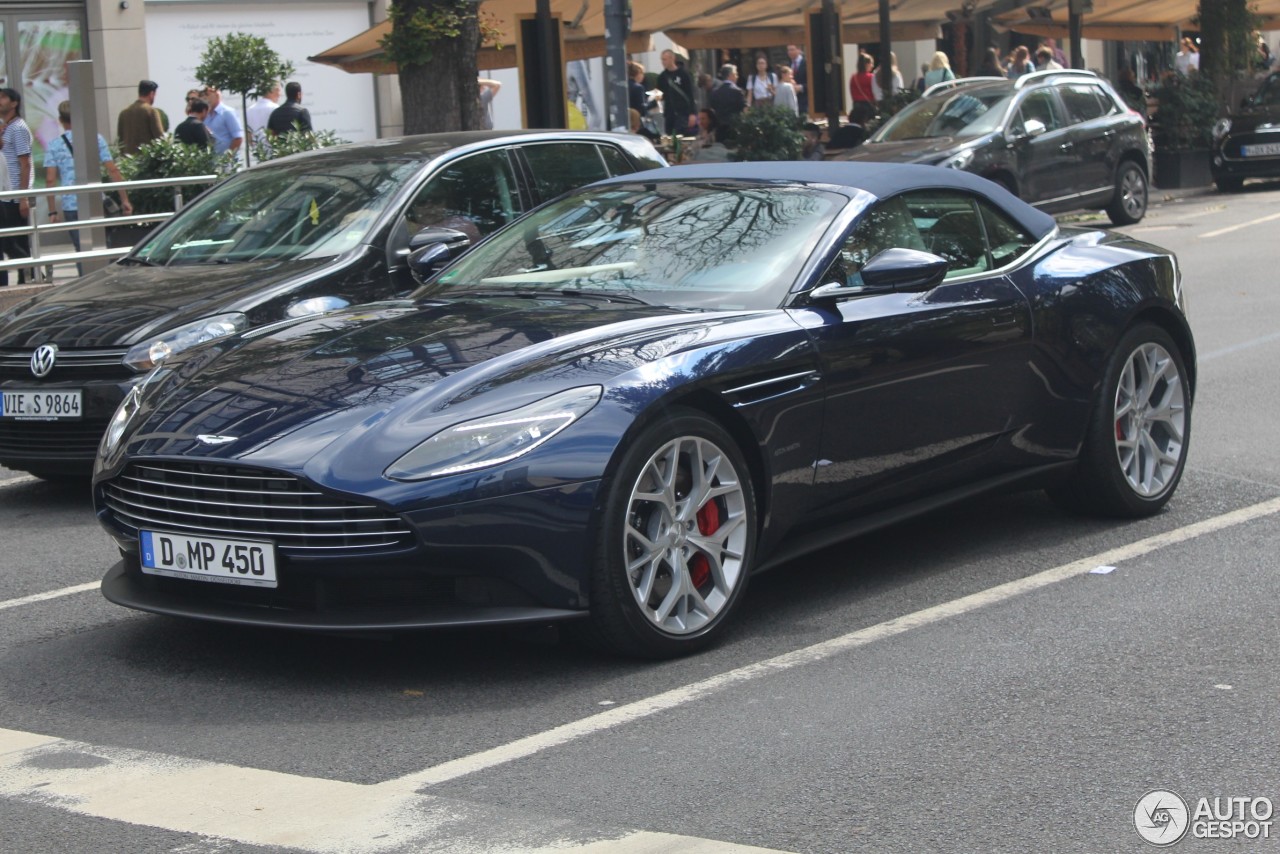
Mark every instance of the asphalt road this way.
pixel 963 682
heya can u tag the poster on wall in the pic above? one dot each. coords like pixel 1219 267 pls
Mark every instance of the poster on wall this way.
pixel 44 49
pixel 340 102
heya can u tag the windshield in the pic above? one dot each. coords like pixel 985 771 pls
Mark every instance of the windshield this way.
pixel 970 113
pixel 283 212
pixel 687 245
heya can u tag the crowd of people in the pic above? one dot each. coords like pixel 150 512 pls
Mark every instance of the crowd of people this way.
pixel 209 123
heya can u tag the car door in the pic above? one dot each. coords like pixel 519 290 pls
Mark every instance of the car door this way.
pixel 1046 160
pixel 1094 136
pixel 920 386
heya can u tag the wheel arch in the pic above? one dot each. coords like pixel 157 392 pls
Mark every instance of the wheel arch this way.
pixel 1178 330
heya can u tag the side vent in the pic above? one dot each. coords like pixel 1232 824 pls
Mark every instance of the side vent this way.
pixel 766 387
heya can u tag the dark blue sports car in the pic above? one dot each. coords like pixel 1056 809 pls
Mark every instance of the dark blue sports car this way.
pixel 622 405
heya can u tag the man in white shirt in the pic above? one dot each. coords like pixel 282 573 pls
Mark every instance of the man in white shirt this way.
pixel 261 109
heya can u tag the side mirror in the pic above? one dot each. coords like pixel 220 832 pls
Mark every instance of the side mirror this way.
pixel 433 247
pixel 1031 128
pixel 907 270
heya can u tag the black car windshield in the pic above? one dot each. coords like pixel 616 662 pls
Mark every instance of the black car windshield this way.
pixel 313 208
pixel 688 245
pixel 967 113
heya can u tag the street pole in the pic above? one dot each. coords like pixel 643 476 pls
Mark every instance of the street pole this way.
pixel 617 24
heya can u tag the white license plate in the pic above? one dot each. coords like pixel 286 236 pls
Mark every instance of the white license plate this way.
pixel 208 558
pixel 1265 149
pixel 33 405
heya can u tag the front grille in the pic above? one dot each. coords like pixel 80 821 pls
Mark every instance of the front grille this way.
pixel 15 364
pixel 51 440
pixel 238 502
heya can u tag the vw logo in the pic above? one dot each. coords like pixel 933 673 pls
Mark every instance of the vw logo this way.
pixel 213 439
pixel 43 358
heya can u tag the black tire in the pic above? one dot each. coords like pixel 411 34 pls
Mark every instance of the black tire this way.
pixel 1132 194
pixel 1130 463
pixel 1229 185
pixel 623 617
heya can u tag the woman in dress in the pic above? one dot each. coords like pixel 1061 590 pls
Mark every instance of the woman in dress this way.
pixel 991 66
pixel 939 71
pixel 895 79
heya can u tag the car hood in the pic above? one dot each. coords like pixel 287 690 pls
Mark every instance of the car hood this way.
pixel 1254 118
pixel 122 304
pixel 907 150
pixel 399 370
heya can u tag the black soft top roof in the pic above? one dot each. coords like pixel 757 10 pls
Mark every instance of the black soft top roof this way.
pixel 882 180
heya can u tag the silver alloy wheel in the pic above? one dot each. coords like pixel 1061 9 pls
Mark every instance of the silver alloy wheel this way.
pixel 1133 193
pixel 1150 420
pixel 685 534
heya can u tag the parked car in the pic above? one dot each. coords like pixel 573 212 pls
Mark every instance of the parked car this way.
pixel 620 407
pixel 1060 140
pixel 1246 144
pixel 296 236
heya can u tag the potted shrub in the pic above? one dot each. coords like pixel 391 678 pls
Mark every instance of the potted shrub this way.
pixel 1182 130
pixel 767 133
pixel 164 158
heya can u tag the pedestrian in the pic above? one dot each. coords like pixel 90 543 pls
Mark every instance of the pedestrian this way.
pixel 192 130
pixel 290 115
pixel 676 86
pixel 727 100
pixel 939 70
pixel 762 84
pixel 786 95
pixel 1187 59
pixel 812 149
pixel 1058 56
pixel 1045 60
pixel 799 75
pixel 260 111
pixel 895 79
pixel 862 92
pixel 1020 63
pixel 139 123
pixel 991 66
pixel 222 122
pixel 15 146
pixel 707 125
pixel 488 91
pixel 60 171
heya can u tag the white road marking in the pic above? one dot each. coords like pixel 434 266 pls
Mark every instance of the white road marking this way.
pixel 1236 348
pixel 1239 226
pixel 270 808
pixel 52 594
pixel 680 696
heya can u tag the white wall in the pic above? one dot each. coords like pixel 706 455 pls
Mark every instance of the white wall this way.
pixel 177 34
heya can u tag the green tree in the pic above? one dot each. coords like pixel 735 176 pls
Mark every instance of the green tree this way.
pixel 246 65
pixel 1227 38
pixel 434 45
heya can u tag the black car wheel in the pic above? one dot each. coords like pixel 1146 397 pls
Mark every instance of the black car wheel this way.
pixel 1136 445
pixel 1130 202
pixel 676 540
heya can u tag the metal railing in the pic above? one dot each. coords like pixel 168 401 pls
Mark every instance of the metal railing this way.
pixel 41 263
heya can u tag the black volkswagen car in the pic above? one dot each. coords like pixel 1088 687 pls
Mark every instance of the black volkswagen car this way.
pixel 1060 140
pixel 298 236
pixel 1246 144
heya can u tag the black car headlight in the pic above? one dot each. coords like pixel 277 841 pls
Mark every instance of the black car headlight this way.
pixel 125 412
pixel 959 160
pixel 146 355
pixel 1221 128
pixel 495 439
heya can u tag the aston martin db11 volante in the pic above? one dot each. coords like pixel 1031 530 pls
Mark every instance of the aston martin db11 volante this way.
pixel 619 407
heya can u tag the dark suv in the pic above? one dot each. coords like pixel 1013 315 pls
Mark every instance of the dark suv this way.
pixel 1061 140
pixel 1247 143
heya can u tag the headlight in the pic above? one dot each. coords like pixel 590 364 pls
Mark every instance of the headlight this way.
pixel 125 412
pixel 959 160
pixel 1221 128
pixel 495 439
pixel 148 354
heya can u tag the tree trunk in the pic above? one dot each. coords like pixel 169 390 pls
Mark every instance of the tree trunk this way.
pixel 440 93
pixel 1213 39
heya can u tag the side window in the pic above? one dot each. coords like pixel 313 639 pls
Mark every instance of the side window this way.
pixel 951 227
pixel 562 166
pixel 477 196
pixel 1043 107
pixel 885 226
pixel 616 161
pixel 1008 241
pixel 1083 102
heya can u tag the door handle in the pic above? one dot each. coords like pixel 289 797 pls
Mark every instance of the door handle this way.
pixel 1066 146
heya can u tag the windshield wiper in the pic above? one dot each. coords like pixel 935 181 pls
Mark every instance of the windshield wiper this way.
pixel 607 296
pixel 141 262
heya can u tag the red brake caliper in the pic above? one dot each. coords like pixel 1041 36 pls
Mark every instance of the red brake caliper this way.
pixel 708 523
